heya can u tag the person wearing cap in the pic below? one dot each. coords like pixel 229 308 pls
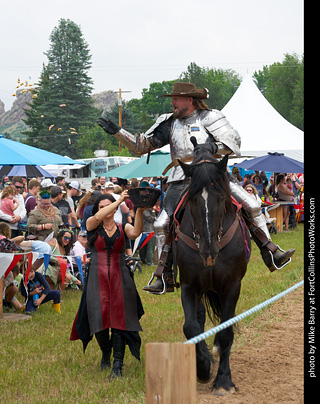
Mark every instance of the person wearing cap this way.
pixel 57 200
pixel 73 190
pixel 109 189
pixel 79 248
pixel 191 117
pixel 47 183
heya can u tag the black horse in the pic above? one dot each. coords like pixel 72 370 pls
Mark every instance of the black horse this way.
pixel 212 250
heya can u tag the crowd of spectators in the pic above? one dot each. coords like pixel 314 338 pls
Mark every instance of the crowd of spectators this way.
pixel 55 214
pixel 280 187
pixel 50 217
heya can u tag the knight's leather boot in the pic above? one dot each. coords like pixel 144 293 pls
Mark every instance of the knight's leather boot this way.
pixel 273 256
pixel 277 259
pixel 156 287
pixel 159 287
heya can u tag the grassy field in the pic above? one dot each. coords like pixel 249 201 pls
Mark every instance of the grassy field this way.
pixel 39 364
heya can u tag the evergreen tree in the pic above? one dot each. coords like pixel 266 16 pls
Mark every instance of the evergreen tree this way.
pixel 62 100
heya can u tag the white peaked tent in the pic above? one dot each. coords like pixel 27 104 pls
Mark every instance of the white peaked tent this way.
pixel 261 127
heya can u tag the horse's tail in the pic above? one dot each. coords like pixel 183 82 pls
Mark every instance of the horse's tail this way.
pixel 213 306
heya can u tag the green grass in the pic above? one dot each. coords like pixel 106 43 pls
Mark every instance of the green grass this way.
pixel 39 364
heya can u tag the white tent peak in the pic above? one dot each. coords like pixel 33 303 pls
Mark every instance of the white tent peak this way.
pixel 261 127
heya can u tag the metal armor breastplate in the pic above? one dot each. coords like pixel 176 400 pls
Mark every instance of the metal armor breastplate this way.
pixel 180 144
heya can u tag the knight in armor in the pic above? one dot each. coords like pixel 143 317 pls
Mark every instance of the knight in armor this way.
pixel 192 117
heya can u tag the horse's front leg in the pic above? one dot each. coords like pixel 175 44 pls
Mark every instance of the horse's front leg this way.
pixel 224 339
pixel 194 313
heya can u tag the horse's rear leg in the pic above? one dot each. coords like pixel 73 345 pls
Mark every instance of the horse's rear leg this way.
pixel 194 313
pixel 223 383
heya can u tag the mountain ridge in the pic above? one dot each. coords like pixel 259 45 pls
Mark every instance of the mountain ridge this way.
pixel 11 121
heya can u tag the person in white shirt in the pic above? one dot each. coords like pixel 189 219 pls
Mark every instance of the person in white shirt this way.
pixel 109 189
pixel 79 248
pixel 73 190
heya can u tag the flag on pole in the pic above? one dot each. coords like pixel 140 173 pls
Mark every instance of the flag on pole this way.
pixel 63 268
pixel 147 238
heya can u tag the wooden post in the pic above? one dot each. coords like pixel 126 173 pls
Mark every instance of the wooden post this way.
pixel 120 107
pixel 120 115
pixel 278 214
pixel 171 373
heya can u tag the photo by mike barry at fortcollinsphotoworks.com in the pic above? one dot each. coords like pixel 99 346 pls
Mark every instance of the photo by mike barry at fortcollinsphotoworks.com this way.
pixel 310 295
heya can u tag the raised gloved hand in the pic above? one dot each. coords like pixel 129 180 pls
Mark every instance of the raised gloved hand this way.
pixel 108 126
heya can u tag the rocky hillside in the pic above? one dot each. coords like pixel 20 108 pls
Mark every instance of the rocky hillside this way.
pixel 16 113
pixel 105 100
pixel 11 121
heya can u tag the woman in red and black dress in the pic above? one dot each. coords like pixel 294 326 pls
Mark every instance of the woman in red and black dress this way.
pixel 110 298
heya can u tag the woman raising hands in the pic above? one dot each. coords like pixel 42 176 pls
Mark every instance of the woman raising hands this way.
pixel 110 298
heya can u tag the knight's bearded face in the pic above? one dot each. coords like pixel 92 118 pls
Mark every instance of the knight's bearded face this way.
pixel 182 106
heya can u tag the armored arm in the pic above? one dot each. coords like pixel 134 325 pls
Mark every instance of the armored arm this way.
pixel 140 143
pixel 227 138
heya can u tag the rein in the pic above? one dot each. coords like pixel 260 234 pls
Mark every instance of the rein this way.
pixel 226 238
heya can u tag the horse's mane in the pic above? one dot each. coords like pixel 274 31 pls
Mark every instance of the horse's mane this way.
pixel 206 172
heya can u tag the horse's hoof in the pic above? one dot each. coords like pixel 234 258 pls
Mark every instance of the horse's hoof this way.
pixel 207 380
pixel 220 391
pixel 204 381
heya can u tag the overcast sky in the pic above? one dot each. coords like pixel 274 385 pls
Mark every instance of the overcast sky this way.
pixel 136 42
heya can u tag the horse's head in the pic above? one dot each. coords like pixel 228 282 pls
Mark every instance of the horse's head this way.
pixel 208 193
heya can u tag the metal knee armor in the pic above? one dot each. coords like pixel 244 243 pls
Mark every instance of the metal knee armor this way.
pixel 251 205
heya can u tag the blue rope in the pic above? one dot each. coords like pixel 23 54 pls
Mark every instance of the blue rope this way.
pixel 234 320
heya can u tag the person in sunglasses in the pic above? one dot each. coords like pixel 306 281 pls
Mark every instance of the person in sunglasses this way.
pixel 60 247
pixel 20 212
pixel 45 218
pixel 252 190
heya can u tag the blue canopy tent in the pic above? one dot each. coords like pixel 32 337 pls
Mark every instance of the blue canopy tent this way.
pixel 15 153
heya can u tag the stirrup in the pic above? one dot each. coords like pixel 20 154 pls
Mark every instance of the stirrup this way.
pixel 274 264
pixel 163 282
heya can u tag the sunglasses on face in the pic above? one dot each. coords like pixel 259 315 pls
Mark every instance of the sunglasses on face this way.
pixel 17 186
pixel 249 190
pixel 67 238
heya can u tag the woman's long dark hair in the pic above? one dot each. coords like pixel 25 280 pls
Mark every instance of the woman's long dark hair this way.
pixel 99 199
pixel 92 235
pixel 279 178
pixel 68 247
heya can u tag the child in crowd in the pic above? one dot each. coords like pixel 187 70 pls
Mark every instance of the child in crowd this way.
pixel 38 292
pixel 8 205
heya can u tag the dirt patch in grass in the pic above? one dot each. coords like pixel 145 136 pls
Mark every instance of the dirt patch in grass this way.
pixel 267 357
